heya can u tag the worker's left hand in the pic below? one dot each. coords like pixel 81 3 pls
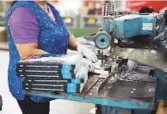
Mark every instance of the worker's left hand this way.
pixel 90 55
pixel 82 67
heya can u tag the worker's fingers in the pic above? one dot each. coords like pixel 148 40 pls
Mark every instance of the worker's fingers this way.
pixel 87 55
pixel 91 56
pixel 76 69
pixel 91 67
pixel 77 66
pixel 94 57
pixel 82 73
pixel 78 73
pixel 83 66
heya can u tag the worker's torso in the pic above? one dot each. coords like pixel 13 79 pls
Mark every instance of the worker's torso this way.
pixel 53 38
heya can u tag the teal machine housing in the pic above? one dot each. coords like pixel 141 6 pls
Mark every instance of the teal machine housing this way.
pixel 129 26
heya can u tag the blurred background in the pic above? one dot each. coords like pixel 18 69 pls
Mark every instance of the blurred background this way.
pixel 83 17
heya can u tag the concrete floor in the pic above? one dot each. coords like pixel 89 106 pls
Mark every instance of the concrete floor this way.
pixel 57 107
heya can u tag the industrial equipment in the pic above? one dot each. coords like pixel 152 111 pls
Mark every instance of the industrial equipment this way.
pixel 132 49
pixel 1 103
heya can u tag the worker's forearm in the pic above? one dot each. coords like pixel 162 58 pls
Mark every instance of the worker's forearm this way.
pixel 72 43
pixel 25 55
pixel 38 52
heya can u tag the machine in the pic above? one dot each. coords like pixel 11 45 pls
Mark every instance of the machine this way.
pixel 1 103
pixel 132 49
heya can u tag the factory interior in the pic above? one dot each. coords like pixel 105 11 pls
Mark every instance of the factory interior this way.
pixel 83 57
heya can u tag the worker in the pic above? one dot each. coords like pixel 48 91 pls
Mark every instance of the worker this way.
pixel 36 27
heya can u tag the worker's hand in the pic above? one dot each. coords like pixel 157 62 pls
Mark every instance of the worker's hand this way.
pixel 90 55
pixel 82 67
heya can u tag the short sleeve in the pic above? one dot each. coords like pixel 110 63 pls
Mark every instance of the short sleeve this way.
pixel 23 26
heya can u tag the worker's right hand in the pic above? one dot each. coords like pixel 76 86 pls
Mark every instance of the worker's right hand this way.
pixel 82 67
pixel 89 54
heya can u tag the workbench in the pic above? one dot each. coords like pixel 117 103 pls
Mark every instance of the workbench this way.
pixel 128 104
pixel 124 104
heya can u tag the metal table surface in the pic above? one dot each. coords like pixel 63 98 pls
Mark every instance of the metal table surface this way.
pixel 111 99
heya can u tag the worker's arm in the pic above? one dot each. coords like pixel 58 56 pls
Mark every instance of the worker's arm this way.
pixel 74 45
pixel 25 32
pixel 29 49
pixel 72 42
